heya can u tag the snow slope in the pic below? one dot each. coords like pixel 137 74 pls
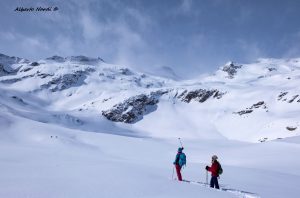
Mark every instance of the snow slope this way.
pixel 46 160
pixel 79 127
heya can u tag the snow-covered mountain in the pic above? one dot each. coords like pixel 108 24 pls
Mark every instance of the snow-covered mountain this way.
pixel 252 102
pixel 80 127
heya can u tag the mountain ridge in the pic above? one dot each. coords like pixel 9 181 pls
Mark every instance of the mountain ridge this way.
pixel 260 99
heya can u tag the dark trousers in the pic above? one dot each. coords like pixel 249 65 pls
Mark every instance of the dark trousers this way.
pixel 214 182
pixel 178 169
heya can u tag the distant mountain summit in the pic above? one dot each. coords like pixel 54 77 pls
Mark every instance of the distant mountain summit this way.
pixel 9 60
pixel 10 64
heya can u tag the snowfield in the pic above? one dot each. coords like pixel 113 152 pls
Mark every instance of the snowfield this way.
pixel 79 127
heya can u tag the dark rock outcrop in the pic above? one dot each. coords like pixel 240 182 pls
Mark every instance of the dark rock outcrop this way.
pixel 263 139
pixel 200 95
pixel 84 59
pixel 231 69
pixel 34 64
pixel 281 95
pixel 291 128
pixel 271 69
pixel 244 112
pixel 43 75
pixel 293 98
pixel 134 108
pixel 14 80
pixel 3 72
pixel 55 58
pixel 19 100
pixel 78 59
pixel 6 70
pixel 66 81
pixel 6 63
pixel 125 71
pixel 260 104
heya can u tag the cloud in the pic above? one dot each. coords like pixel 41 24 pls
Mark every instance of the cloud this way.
pixel 130 45
pixel 64 46
pixel 142 21
pixel 7 36
pixel 249 51
pixel 292 47
pixel 28 45
pixel 122 36
pixel 186 35
pixel 186 6
pixel 91 29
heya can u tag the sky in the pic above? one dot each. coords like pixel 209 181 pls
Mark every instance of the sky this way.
pixel 189 36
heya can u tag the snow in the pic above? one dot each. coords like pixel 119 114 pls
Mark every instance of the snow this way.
pixel 56 142
pixel 43 160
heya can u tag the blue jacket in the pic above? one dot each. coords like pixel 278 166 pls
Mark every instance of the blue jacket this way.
pixel 180 159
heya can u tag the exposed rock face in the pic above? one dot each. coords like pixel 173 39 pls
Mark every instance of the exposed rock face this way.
pixel 6 63
pixel 231 69
pixel 78 59
pixel 3 72
pixel 6 70
pixel 263 139
pixel 18 99
pixel 293 98
pixel 9 60
pixel 260 104
pixel 34 64
pixel 271 69
pixel 200 95
pixel 134 108
pixel 14 80
pixel 244 112
pixel 43 75
pixel 55 58
pixel 66 81
pixel 125 71
pixel 290 128
pixel 283 97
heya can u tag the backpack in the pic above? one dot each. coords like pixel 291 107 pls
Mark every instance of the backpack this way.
pixel 182 160
pixel 220 169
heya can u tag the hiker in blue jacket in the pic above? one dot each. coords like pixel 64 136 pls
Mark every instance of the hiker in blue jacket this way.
pixel 179 162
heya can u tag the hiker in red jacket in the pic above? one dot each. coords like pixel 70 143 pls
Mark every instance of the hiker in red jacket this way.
pixel 214 169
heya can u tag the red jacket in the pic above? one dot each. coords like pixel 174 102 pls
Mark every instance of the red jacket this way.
pixel 214 169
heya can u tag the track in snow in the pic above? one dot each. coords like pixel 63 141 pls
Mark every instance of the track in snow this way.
pixel 238 193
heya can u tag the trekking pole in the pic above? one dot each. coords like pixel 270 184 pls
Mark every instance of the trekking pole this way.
pixel 173 173
pixel 180 142
pixel 207 177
